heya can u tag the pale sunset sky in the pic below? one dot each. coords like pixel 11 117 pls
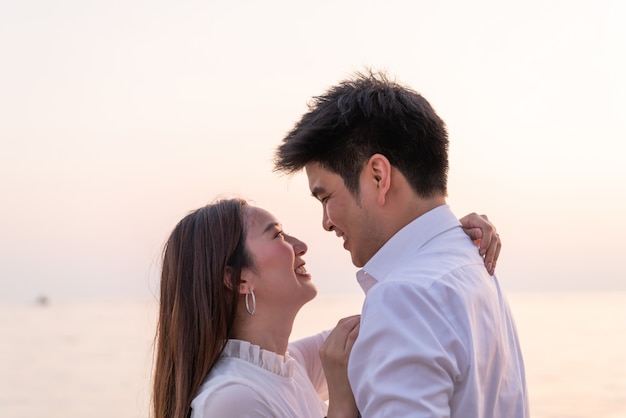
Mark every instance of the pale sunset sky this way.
pixel 119 117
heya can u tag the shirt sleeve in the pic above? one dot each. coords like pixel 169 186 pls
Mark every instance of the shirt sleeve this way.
pixel 405 360
pixel 306 352
pixel 234 400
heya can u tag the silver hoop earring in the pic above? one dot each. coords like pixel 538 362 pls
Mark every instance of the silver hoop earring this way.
pixel 251 311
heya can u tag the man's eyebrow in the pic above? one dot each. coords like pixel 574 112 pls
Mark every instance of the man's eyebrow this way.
pixel 316 191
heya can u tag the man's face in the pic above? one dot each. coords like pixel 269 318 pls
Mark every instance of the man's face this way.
pixel 342 213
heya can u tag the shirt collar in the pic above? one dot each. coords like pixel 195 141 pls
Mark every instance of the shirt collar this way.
pixel 410 238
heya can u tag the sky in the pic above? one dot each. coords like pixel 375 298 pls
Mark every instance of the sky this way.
pixel 119 117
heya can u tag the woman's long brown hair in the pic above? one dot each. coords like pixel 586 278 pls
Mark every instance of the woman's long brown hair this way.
pixel 197 308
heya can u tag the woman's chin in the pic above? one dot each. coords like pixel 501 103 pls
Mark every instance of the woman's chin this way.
pixel 312 295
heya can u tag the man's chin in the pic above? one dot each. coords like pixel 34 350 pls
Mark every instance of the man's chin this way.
pixel 356 261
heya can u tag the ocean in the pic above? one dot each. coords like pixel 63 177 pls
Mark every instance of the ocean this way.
pixel 93 359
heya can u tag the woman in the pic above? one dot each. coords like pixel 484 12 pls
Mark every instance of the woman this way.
pixel 231 286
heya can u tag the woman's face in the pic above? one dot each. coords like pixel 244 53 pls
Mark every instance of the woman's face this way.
pixel 279 278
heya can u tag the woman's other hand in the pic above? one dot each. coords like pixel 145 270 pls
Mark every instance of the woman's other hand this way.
pixel 484 235
pixel 334 353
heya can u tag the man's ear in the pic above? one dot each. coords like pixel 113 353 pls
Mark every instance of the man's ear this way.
pixel 379 172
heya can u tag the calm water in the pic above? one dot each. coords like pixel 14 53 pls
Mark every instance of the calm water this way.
pixel 93 359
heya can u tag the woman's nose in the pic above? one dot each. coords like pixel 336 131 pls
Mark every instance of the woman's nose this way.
pixel 299 247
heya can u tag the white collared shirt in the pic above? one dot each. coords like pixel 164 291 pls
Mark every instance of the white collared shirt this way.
pixel 437 338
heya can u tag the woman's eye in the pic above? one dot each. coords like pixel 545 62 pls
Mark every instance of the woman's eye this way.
pixel 280 234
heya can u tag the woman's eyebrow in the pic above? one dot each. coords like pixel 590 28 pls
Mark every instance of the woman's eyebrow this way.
pixel 270 226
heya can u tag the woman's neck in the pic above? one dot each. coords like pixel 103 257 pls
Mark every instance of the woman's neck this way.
pixel 270 334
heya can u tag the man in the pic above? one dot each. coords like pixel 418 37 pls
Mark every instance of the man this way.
pixel 437 338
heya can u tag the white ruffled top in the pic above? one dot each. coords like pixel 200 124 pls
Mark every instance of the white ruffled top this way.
pixel 248 381
pixel 267 360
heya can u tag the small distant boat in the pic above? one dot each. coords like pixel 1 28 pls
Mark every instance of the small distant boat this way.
pixel 42 300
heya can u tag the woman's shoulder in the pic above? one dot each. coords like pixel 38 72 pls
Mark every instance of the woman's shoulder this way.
pixel 300 347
